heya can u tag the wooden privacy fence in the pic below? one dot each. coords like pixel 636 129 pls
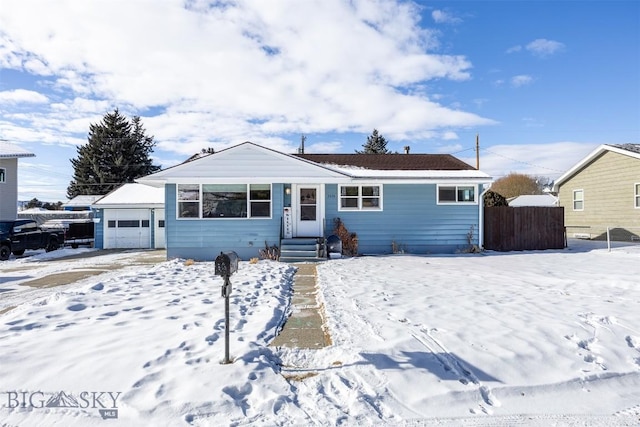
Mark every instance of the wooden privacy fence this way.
pixel 524 228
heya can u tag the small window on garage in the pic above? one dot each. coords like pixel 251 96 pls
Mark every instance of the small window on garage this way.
pixel 145 223
pixel 128 223
pixel 161 223
pixel 111 224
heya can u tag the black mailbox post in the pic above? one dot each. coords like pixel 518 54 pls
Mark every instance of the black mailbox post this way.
pixel 225 265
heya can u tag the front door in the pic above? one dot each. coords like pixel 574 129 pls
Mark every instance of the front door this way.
pixel 308 211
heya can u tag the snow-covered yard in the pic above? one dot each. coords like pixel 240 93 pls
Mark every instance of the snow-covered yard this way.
pixel 529 338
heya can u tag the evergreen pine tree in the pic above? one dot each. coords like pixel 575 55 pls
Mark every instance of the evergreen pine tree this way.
pixel 376 144
pixel 117 152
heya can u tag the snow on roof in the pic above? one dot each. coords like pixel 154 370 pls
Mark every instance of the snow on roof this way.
pixel 359 172
pixel 534 200
pixel 83 200
pixel 8 150
pixel 133 194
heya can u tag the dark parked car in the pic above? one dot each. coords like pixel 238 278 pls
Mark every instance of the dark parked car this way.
pixel 22 234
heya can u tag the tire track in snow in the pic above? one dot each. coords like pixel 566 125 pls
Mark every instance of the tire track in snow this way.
pixel 453 364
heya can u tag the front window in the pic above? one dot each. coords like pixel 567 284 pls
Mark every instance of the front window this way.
pixel 456 194
pixel 188 201
pixel 224 201
pixel 360 197
pixel 578 200
pixel 637 196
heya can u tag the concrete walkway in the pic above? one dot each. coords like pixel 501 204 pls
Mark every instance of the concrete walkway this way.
pixel 305 328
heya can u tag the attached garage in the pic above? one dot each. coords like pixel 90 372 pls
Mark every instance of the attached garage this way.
pixel 127 228
pixel 131 217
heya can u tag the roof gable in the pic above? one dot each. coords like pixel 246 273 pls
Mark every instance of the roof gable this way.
pixel 631 150
pixel 243 162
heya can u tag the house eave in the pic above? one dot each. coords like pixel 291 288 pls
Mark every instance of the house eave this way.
pixel 588 159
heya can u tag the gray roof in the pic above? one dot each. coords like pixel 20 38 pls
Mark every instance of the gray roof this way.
pixel 634 148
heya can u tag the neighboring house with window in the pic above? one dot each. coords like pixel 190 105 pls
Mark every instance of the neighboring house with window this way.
pixel 603 191
pixel 131 216
pixel 248 196
pixel 9 155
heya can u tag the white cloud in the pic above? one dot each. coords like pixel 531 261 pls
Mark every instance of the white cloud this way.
pixel 445 17
pixel 23 96
pixel 521 80
pixel 544 47
pixel 242 71
pixel 514 49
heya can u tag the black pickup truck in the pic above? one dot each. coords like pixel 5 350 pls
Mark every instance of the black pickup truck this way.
pixel 22 234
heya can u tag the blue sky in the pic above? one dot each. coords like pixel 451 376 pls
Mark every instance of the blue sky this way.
pixel 543 83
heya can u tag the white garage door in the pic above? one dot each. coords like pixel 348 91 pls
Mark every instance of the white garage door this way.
pixel 127 228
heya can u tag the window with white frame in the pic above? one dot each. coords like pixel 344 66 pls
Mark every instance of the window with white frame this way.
pixel 448 194
pixel 224 201
pixel 3 175
pixel 637 195
pixel 578 200
pixel 188 200
pixel 360 197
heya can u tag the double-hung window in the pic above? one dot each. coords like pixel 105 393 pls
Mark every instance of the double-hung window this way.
pixel 448 194
pixel 637 195
pixel 224 201
pixel 578 200
pixel 188 200
pixel 360 197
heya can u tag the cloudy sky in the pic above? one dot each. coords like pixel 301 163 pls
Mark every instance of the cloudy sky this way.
pixel 542 82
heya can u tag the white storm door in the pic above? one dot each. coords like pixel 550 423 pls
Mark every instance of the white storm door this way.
pixel 308 211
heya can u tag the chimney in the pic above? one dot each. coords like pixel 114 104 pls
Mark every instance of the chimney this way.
pixel 406 149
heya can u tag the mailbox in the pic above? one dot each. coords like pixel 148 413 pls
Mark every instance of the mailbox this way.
pixel 226 264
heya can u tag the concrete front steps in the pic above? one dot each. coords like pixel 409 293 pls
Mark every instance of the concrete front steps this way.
pixel 300 250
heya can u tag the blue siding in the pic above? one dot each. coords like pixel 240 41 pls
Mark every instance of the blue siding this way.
pixel 204 239
pixel 410 217
pixel 98 229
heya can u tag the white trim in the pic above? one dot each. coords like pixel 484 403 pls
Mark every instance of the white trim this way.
pixel 200 206
pixel 591 156
pixel 636 195
pixel 457 203
pixel 359 198
pixel 574 200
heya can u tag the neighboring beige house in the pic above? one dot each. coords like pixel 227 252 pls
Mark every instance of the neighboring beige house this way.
pixel 603 191
pixel 9 155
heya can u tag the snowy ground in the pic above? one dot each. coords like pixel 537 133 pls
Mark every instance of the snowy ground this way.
pixel 528 338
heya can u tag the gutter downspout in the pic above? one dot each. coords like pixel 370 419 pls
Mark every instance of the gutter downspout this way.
pixel 481 218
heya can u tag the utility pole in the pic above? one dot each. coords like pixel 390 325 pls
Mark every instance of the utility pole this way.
pixel 477 151
pixel 302 140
